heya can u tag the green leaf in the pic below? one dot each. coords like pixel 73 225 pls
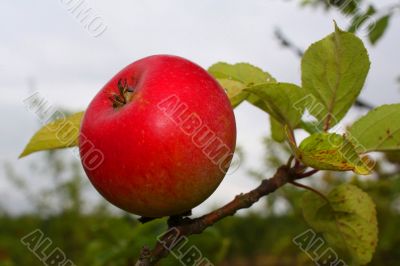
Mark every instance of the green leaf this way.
pixel 279 100
pixel 256 101
pixel 348 221
pixel 242 72
pixel 277 130
pixel 234 89
pixel 327 151
pixel 235 78
pixel 377 30
pixel 311 127
pixel 360 19
pixel 61 133
pixel 333 73
pixel 378 130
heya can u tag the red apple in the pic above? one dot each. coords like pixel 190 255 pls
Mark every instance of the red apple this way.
pixel 166 133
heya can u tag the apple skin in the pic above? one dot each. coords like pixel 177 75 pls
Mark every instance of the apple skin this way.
pixel 154 163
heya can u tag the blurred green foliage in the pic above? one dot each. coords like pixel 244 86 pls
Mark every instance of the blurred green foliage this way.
pixel 363 15
pixel 98 236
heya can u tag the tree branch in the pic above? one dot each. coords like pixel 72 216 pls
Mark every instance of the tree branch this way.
pixel 187 226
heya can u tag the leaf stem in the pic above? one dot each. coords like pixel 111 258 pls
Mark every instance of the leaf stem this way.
pixel 310 189
pixel 289 162
pixel 307 174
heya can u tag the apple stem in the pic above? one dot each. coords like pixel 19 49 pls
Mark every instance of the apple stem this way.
pixel 124 96
pixel 310 189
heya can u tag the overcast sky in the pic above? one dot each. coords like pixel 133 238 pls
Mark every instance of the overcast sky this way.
pixel 43 46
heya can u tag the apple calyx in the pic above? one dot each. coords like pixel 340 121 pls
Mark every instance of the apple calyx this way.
pixel 125 94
